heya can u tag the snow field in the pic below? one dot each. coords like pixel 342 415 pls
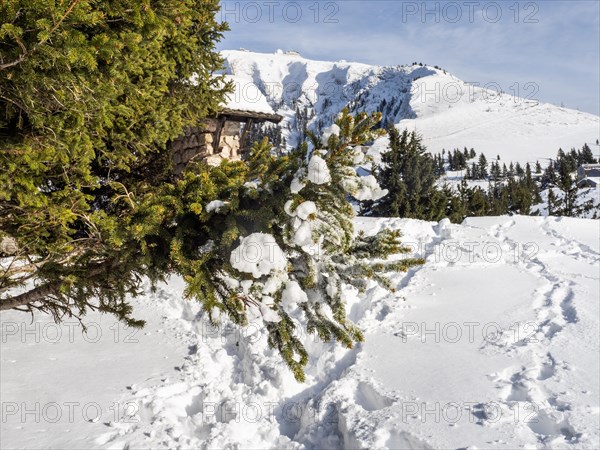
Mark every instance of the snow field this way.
pixel 493 343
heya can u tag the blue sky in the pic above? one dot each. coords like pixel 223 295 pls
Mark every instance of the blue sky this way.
pixel 546 50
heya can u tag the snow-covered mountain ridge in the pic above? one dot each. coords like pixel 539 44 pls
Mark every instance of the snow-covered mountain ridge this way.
pixel 447 111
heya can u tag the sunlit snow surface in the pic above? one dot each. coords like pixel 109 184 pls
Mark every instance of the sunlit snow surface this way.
pixel 493 343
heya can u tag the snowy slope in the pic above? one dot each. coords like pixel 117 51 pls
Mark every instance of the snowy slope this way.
pixel 448 112
pixel 60 388
pixel 493 343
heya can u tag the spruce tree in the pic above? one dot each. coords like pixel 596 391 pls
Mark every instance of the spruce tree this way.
pixel 299 205
pixel 552 203
pixel 573 157
pixel 407 172
pixel 496 174
pixel 532 185
pixel 569 190
pixel 549 176
pixel 587 157
pixel 456 209
pixel 461 160
pixel 478 202
pixel 519 196
pixel 528 176
pixel 464 193
pixel 136 220
pixel 440 170
pixel 483 172
pixel 519 170
pixel 91 92
pixel 439 204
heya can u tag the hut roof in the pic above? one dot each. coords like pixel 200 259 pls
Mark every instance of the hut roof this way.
pixel 247 102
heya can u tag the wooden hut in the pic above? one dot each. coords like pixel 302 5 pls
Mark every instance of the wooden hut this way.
pixel 225 136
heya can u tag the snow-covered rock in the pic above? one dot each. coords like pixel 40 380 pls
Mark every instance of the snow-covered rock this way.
pixel 331 130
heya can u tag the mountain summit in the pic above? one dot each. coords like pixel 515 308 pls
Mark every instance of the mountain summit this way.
pixel 447 111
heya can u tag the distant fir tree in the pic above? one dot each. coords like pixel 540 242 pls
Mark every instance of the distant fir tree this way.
pixel 528 176
pixel 478 203
pixel 549 176
pixel 566 204
pixel 407 172
pixel 552 203
pixel 499 200
pixel 587 157
pixel 461 158
pixel 519 170
pixel 273 133
pixel 483 171
pixel 440 169
pixel 496 172
pixel 456 209
pixel 520 196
